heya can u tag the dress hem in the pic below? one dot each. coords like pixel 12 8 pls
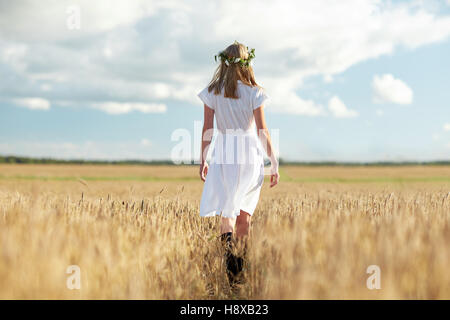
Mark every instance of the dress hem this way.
pixel 214 213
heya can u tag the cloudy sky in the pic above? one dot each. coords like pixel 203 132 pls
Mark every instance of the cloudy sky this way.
pixel 349 80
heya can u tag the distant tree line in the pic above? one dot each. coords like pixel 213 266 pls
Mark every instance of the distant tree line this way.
pixel 29 160
pixel 373 163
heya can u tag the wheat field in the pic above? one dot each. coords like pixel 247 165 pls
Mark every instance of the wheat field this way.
pixel 135 233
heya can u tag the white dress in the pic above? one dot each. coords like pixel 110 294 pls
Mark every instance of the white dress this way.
pixel 236 170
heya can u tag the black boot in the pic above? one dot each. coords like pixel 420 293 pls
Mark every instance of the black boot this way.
pixel 234 264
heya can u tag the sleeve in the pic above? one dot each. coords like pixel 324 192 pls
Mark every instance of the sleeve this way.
pixel 260 98
pixel 206 97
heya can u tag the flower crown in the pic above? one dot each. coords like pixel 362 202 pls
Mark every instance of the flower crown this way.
pixel 229 60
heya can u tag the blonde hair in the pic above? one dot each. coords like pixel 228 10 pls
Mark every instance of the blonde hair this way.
pixel 226 76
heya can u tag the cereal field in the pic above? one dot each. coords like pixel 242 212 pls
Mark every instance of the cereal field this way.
pixel 135 233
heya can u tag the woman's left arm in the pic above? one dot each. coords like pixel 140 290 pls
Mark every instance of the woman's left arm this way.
pixel 207 133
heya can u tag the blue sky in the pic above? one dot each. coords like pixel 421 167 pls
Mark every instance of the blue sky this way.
pixel 349 80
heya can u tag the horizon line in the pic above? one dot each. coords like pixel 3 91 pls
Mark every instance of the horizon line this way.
pixel 13 159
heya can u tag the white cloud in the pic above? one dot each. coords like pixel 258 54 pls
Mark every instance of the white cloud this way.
pixel 90 150
pixel 121 108
pixel 339 109
pixel 284 100
pixel 379 112
pixel 32 103
pixel 98 16
pixel 145 142
pixel 13 55
pixel 446 126
pixel 386 88
pixel 327 78
pixel 46 87
pixel 160 51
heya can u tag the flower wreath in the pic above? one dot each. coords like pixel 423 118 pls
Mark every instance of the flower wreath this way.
pixel 243 62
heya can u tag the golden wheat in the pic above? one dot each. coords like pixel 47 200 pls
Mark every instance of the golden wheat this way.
pixel 135 233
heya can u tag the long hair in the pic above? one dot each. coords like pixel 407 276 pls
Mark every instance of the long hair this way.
pixel 227 76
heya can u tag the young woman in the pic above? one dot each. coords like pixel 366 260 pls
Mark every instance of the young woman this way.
pixel 235 175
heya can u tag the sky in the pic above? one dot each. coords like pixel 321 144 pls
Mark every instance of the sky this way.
pixel 348 80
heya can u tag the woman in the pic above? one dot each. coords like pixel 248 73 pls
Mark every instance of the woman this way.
pixel 235 175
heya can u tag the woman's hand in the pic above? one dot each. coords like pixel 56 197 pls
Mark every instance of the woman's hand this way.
pixel 203 170
pixel 274 175
pixel 274 178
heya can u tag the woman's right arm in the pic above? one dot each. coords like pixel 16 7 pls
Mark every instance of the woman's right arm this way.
pixel 264 137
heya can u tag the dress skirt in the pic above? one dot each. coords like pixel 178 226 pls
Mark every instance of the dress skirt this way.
pixel 235 175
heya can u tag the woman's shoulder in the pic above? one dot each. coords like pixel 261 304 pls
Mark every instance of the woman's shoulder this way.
pixel 251 88
pixel 258 91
